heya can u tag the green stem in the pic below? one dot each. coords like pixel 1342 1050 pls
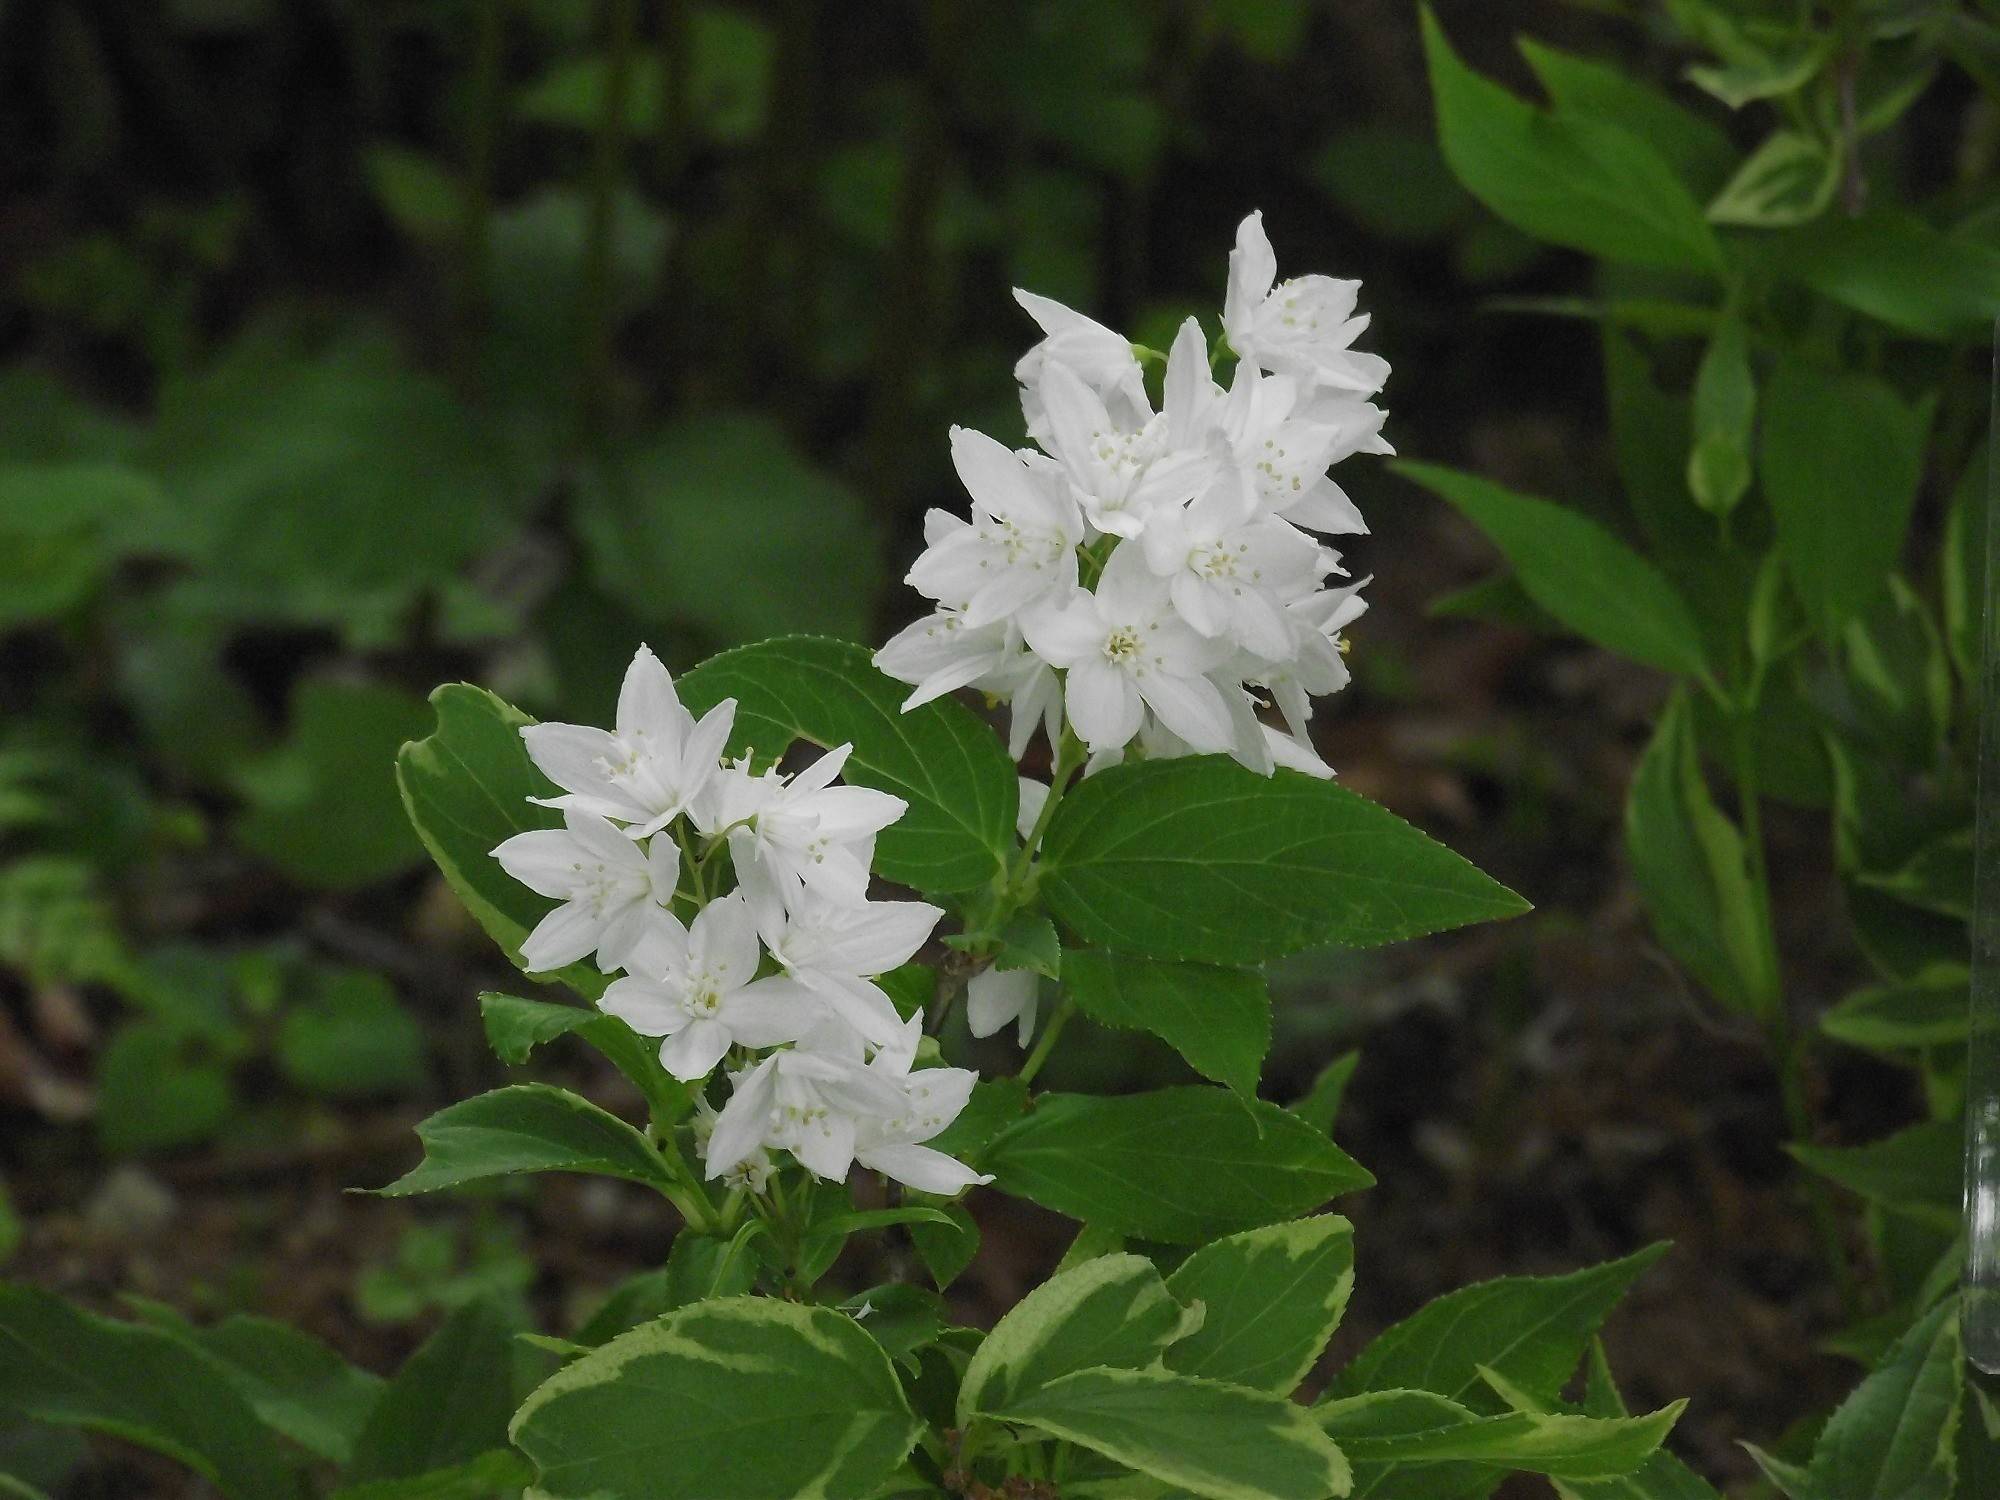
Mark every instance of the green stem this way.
pixel 1046 1042
pixel 597 312
pixel 1786 1048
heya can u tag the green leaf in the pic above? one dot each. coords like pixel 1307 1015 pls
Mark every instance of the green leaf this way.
pixel 1564 178
pixel 351 1037
pixel 1321 1105
pixel 1931 1010
pixel 60 530
pixel 903 1319
pixel 726 496
pixel 729 59
pixel 1200 1436
pixel 516 1027
pixel 1218 1019
pixel 447 1406
pixel 1841 456
pixel 159 1087
pixel 500 1471
pixel 953 771
pixel 1751 72
pixel 1110 1310
pixel 947 1250
pixel 1271 1298
pixel 295 1384
pixel 1789 180
pixel 466 789
pixel 1725 409
pixel 70 1368
pixel 1530 1330
pixel 1578 572
pixel 1919 1171
pixel 825 1238
pixel 527 1127
pixel 1692 868
pixel 1182 1165
pixel 1938 877
pixel 1198 858
pixel 1896 268
pixel 1893 1439
pixel 750 1398
pixel 1418 1427
pixel 1030 941
pixel 1964 565
pixel 323 809
pixel 1700 150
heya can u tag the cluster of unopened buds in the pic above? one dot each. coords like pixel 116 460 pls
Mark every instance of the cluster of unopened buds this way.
pixel 772 972
pixel 1148 572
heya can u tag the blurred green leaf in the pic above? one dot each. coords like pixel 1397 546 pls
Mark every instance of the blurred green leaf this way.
pixel 1932 1010
pixel 57 926
pixel 448 1404
pixel 1918 1171
pixel 1896 268
pixel 418 193
pixel 324 809
pixel 728 82
pixel 1788 180
pixel 159 1087
pixel 714 524
pixel 61 528
pixel 1725 411
pixel 1699 149
pixel 351 1037
pixel 1393 182
pixel 1964 564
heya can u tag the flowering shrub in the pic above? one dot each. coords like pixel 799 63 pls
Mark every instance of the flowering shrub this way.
pixel 1136 588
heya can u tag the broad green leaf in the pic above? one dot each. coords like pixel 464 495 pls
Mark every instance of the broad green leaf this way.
pixel 726 496
pixel 1894 1438
pixel 1750 72
pixel 61 528
pixel 946 1250
pixel 1182 1165
pixel 1931 1010
pixel 70 1368
pixel 160 1087
pixel 1218 1019
pixel 903 1319
pixel 1271 1298
pixel 1898 269
pixel 1918 1171
pixel 1565 178
pixel 1661 1477
pixel 1418 1427
pixel 953 771
pixel 1789 180
pixel 466 788
pixel 1321 1105
pixel 527 1127
pixel 1030 941
pixel 1725 409
pixel 324 809
pixel 823 1240
pixel 516 1027
pixel 1578 571
pixel 295 1384
pixel 1200 859
pixel 1893 661
pixel 499 1471
pixel 1938 877
pixel 1202 1437
pixel 1699 149
pixel 1530 1330
pixel 1840 455
pixel 1693 870
pixel 447 1406
pixel 750 1398
pixel 351 1037
pixel 1111 1310
pixel 698 1267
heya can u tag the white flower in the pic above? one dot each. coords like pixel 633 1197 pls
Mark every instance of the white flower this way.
pixel 698 988
pixel 752 1173
pixel 807 1100
pixel 995 997
pixel 892 1144
pixel 1125 651
pixel 1100 356
pixel 1300 327
pixel 1230 569
pixel 1283 449
pixel 649 769
pixel 1020 544
pixel 1120 473
pixel 800 833
pixel 834 951
pixel 941 653
pixel 1028 811
pixel 613 891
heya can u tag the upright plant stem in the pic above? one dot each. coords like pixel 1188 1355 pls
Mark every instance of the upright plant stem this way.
pixel 596 313
pixel 1786 1049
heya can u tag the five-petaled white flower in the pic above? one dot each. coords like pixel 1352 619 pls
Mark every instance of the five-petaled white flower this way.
pixel 1020 544
pixel 932 1098
pixel 800 833
pixel 834 951
pixel 1301 327
pixel 807 1100
pixel 698 987
pixel 613 891
pixel 648 770
pixel 1125 650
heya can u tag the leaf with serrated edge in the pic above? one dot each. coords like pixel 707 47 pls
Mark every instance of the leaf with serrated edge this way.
pixel 526 1127
pixel 1219 1019
pixel 1272 1298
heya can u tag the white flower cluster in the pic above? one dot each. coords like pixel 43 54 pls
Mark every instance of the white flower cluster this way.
pixel 1151 574
pixel 777 973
